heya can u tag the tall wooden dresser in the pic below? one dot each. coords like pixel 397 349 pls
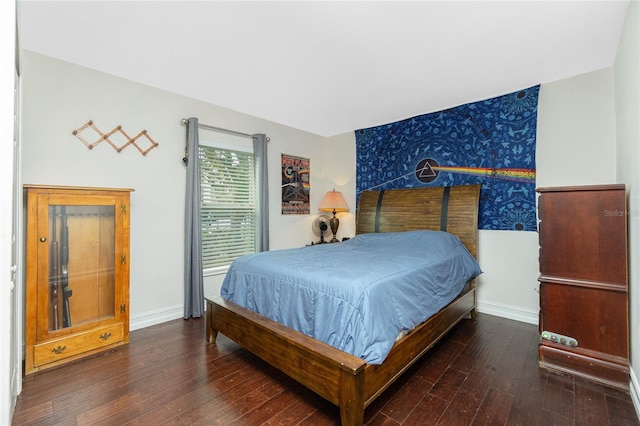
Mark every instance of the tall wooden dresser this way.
pixel 77 274
pixel 584 325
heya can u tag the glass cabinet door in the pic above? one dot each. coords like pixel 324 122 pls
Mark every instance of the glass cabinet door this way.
pixel 81 277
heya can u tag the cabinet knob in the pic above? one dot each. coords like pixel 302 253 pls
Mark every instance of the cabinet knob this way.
pixel 43 239
pixel 58 350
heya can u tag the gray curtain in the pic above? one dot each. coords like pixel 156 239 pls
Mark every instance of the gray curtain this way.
pixel 260 143
pixel 193 279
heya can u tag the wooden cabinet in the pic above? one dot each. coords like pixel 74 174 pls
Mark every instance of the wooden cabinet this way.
pixel 584 322
pixel 77 272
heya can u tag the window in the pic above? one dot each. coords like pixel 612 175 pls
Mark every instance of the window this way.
pixel 228 204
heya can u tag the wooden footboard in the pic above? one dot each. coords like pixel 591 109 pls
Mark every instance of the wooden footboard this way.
pixel 335 375
pixel 411 347
pixel 343 379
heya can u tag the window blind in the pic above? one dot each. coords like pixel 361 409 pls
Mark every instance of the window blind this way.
pixel 228 205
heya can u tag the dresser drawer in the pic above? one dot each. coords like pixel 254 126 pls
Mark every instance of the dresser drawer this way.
pixel 595 317
pixel 59 349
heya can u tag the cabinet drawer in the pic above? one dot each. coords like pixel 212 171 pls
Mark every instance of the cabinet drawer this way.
pixel 59 349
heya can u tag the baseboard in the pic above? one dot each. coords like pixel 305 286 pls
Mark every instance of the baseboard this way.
pixel 162 315
pixel 634 390
pixel 510 312
pixel 156 317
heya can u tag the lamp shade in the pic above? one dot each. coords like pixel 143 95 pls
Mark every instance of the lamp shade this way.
pixel 333 201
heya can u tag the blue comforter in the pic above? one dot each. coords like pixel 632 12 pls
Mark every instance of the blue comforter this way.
pixel 357 295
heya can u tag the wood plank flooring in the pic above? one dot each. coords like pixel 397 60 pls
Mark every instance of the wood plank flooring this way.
pixel 484 373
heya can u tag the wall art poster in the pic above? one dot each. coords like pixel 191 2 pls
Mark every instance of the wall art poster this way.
pixel 490 142
pixel 295 185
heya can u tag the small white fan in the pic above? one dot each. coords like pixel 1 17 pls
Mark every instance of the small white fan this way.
pixel 321 228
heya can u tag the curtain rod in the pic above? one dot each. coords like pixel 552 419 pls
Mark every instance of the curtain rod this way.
pixel 220 129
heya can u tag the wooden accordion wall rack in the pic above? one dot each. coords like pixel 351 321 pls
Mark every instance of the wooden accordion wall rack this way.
pixel 117 133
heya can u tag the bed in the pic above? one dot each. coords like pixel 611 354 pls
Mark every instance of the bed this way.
pixel 344 379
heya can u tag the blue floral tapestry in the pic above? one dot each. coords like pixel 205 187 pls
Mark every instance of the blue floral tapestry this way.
pixel 491 142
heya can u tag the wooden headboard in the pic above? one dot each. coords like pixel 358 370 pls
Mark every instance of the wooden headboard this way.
pixel 453 209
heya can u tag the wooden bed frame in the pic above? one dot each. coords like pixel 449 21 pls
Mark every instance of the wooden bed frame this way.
pixel 341 378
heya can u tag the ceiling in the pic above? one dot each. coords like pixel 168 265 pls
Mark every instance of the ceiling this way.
pixel 330 67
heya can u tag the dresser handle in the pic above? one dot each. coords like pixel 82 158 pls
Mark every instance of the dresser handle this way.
pixel 105 336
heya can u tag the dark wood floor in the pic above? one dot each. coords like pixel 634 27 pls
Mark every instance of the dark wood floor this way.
pixel 484 372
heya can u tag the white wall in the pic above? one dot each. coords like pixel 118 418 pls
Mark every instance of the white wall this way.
pixel 627 87
pixel 575 146
pixel 340 156
pixel 9 382
pixel 59 97
pixel 508 286
pixel 576 131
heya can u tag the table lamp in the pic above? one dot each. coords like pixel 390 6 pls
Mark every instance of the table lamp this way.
pixel 333 201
